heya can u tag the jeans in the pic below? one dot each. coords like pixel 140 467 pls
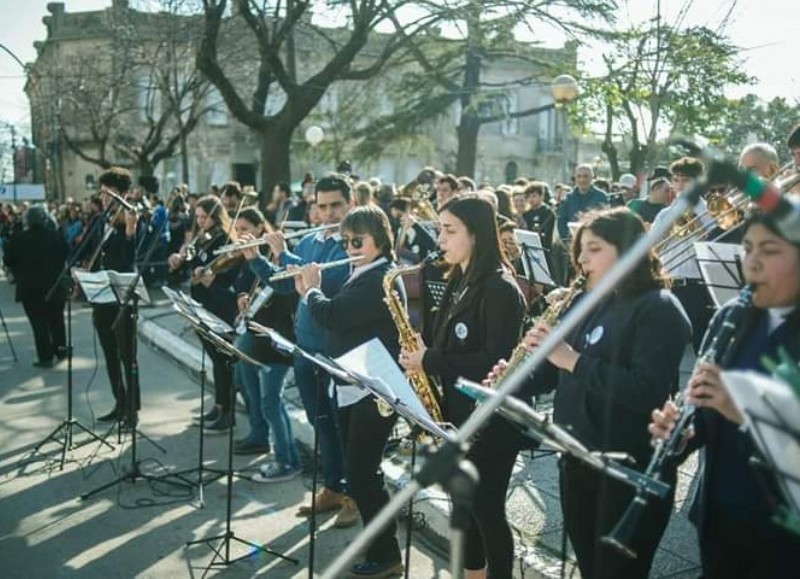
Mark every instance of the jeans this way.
pixel 313 386
pixel 246 378
pixel 274 412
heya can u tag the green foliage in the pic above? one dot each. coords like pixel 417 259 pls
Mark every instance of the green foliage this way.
pixel 749 118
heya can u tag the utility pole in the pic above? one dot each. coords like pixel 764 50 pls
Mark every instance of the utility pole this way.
pixel 14 161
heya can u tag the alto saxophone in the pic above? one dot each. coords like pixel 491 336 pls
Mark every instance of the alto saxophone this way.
pixel 409 340
pixel 550 315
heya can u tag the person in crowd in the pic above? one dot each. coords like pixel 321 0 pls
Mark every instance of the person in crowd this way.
pixel 115 248
pixel 356 314
pixel 212 229
pixel 333 197
pixel 262 386
pixel 280 205
pixel 733 508
pixel 479 321
pixel 607 374
pixel 583 197
pixel 446 186
pixel 658 197
pixel 36 258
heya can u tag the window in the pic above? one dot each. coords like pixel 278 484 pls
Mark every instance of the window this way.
pixel 148 99
pixel 217 115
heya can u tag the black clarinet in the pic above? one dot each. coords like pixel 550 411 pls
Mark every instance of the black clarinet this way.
pixel 718 352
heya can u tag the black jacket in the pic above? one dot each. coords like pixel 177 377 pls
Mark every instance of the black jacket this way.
pixel 471 334
pixel 630 353
pixel 357 313
pixel 219 298
pixel 36 256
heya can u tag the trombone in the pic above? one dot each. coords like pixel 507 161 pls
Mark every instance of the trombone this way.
pixel 259 242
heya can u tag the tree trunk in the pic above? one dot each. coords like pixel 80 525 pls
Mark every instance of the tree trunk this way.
pixel 469 125
pixel 275 167
pixel 638 157
pixel 611 153
pixel 145 167
pixel 184 160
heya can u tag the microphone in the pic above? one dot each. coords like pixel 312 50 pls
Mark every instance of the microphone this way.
pixel 785 211
pixel 118 198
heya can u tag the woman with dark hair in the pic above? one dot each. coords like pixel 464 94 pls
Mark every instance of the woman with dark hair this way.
pixel 732 511
pixel 262 385
pixel 355 315
pixel 212 229
pixel 479 321
pixel 624 356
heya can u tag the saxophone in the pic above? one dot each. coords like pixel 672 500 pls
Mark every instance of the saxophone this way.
pixel 408 338
pixel 550 315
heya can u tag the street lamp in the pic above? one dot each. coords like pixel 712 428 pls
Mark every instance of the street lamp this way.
pixel 564 89
pixel 314 136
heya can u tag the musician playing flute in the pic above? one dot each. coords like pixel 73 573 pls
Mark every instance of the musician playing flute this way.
pixel 732 511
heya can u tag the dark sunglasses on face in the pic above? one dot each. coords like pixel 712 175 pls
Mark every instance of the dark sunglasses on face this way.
pixel 717 189
pixel 356 242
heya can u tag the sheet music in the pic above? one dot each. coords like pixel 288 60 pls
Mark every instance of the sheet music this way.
pixel 104 286
pixel 188 307
pixel 372 362
pixel 533 258
pixel 719 265
pixel 767 403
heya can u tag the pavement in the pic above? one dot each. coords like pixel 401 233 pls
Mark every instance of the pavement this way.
pixel 139 529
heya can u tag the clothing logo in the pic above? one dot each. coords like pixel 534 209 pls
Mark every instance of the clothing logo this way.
pixel 203 256
pixel 461 330
pixel 594 336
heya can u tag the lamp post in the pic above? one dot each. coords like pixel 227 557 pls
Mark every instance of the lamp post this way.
pixel 564 89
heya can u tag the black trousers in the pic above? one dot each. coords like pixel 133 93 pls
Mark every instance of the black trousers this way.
pixel 117 344
pixel 489 542
pixel 47 322
pixel 592 504
pixel 223 375
pixel 734 549
pixel 364 434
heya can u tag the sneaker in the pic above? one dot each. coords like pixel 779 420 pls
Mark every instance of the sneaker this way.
pixel 209 416
pixel 326 501
pixel 348 515
pixel 219 426
pixel 44 364
pixel 373 569
pixel 247 447
pixel 115 414
pixel 274 472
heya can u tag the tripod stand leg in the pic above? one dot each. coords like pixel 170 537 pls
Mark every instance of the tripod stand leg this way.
pixel 8 336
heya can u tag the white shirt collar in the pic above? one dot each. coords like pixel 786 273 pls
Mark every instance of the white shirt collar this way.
pixel 778 315
pixel 362 269
pixel 320 236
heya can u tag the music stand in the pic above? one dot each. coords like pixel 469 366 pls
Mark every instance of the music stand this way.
pixel 69 424
pixel 203 322
pixel 232 354
pixel 721 268
pixel 533 257
pixel 772 414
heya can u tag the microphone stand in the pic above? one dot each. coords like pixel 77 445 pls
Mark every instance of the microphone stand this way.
pixel 64 432
pixel 440 466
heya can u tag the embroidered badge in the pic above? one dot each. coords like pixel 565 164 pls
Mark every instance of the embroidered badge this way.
pixel 595 335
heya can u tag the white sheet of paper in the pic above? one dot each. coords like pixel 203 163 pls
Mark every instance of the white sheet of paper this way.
pixel 717 263
pixel 759 396
pixel 533 256
pixel 372 361
pixel 95 286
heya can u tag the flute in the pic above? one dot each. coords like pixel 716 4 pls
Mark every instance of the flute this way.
pixel 259 242
pixel 288 274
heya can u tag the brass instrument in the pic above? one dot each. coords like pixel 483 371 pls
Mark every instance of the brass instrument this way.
pixel 718 352
pixel 549 316
pixel 409 340
pixel 259 242
pixel 290 273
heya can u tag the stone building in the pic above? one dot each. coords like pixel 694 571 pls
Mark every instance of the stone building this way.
pixel 97 93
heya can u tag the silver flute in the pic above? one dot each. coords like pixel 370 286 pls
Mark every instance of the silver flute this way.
pixel 259 242
pixel 290 273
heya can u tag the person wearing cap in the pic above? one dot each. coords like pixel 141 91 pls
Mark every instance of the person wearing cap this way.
pixel 628 187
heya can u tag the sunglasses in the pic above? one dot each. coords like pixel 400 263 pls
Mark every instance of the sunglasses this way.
pixel 356 242
pixel 717 189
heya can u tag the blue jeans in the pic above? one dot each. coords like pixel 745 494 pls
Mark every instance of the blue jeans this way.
pixel 246 377
pixel 274 412
pixel 313 386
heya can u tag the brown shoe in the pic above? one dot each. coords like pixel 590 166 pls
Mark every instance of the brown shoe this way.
pixel 327 501
pixel 348 514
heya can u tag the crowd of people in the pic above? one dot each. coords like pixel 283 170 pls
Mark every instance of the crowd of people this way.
pixel 613 376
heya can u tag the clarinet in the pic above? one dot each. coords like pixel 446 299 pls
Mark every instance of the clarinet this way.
pixel 719 351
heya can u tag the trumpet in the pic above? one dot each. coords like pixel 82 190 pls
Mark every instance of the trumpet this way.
pixel 259 242
pixel 290 273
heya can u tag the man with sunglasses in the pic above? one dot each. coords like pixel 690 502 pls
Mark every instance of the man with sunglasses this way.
pixel 333 200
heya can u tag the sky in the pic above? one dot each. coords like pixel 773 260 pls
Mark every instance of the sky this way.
pixel 764 28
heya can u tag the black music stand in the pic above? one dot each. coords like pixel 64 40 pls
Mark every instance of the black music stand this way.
pixel 772 413
pixel 232 354
pixel 203 322
pixel 128 289
pixel 721 268
pixel 533 257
